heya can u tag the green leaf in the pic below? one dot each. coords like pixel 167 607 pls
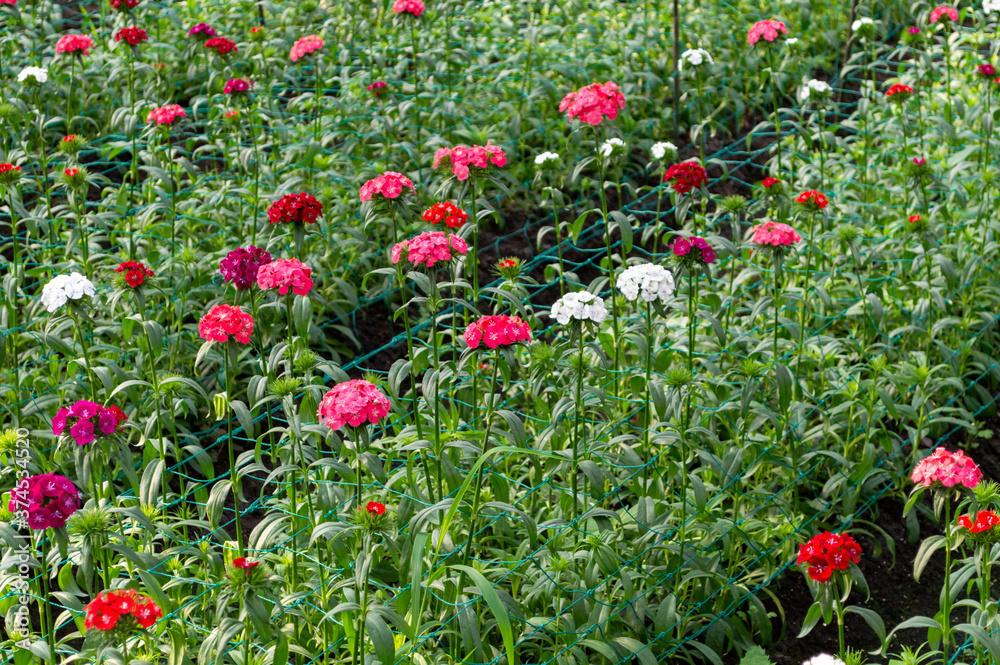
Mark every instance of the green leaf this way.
pixel 497 608
pixel 873 620
pixel 381 637
pixel 416 574
pixel 812 618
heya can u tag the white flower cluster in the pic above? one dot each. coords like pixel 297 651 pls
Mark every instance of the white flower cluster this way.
pixel 582 306
pixel 39 74
pixel 663 148
pixel 544 157
pixel 63 288
pixel 696 57
pixel 863 21
pixel 815 87
pixel 612 146
pixel 653 281
pixel 824 659
pixel 990 6
pixel 791 41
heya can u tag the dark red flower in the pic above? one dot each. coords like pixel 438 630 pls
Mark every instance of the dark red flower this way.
pixel 131 35
pixel 685 176
pixel 986 70
pixel 770 182
pixel 243 563
pixel 290 208
pixel 375 508
pixel 899 92
pixel 827 553
pixel 221 45
pixel 135 273
pixel 446 212
pixel 813 199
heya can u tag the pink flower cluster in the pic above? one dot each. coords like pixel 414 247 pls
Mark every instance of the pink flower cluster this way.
pixel 49 500
pixel 74 44
pixel 945 11
pixel 352 403
pixel 497 331
pixel 389 185
pixel 775 234
pixel 429 248
pixel 464 160
pixel 202 31
pixel 591 103
pixel 165 115
pixel 285 274
pixel 945 468
pixel 305 46
pixel 224 320
pixel 769 30
pixel 415 7
pixel 376 87
pixel 237 86
pixel 87 421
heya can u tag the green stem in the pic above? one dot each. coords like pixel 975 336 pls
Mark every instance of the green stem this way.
pixel 611 263
pixel 490 407
pixel 233 477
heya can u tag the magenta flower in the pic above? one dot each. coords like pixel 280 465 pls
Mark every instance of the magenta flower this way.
pixel 429 248
pixel 352 403
pixel 82 432
pixel 241 266
pixel 237 86
pixel 285 274
pixel 593 102
pixel 944 468
pixel 50 500
pixel 201 31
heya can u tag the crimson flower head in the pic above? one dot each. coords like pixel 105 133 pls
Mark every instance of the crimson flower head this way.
pixel 123 5
pixel 352 403
pixel 685 177
pixel 376 88
pixel 375 508
pixel 390 185
pixel 224 320
pixel 240 266
pixel 770 182
pixel 131 35
pixel 9 174
pixel 124 609
pixel 47 501
pixel 943 14
pixel 496 331
pixel 986 70
pixel 984 521
pixel 447 212
pixel 78 45
pixel 429 248
pixel 919 161
pixel 828 553
pixel 914 219
pixel 237 86
pixel 507 263
pixel 769 30
pixel 221 45
pixel 413 7
pixel 71 173
pixel 812 200
pixel 244 564
pixel 201 31
pixel 899 92
pixel 592 103
pixel 944 468
pixel 295 208
pixel 914 30
pixel 135 273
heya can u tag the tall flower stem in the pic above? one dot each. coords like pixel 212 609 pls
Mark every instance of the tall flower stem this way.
pixel 316 98
pixel 14 328
pixel 45 609
pixel 161 444
pixel 84 332
pixel 559 247
pixel 580 410
pixel 777 308
pixel 438 449
pixel 946 609
pixel 648 420
pixel 416 80
pixel 413 383
pixel 777 114
pixel 805 294
pixel 256 178
pixel 233 477
pixel 611 263
pixel 133 160
pixel 490 409
pixel 473 260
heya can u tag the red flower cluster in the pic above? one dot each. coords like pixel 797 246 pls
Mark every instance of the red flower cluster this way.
pixel 593 102
pixel 74 44
pixel 985 520
pixel 446 212
pixel 986 71
pixel 225 320
pixel 899 92
pixel 241 562
pixel 507 263
pixel 131 35
pixel 376 87
pixel 375 508
pixel 221 45
pixel 71 173
pixel 304 208
pixel 914 219
pixel 237 86
pixel 813 200
pixel 9 173
pixel 129 4
pixel 828 552
pixel 497 331
pixel 135 273
pixel 685 176
pixel 770 182
pixel 123 608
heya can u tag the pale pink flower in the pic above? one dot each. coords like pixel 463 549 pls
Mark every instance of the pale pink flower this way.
pixel 225 320
pixel 947 469
pixel 775 234
pixel 285 274
pixel 591 103
pixel 389 185
pixel 496 331
pixel 464 160
pixel 306 46
pixel 429 248
pixel 769 30
pixel 352 403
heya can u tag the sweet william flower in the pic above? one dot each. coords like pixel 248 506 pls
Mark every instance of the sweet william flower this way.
pixel 943 14
pixel 579 306
pixel 390 185
pixel 827 553
pixel 613 146
pixel 695 57
pixel 244 564
pixel 131 35
pixel 693 250
pixel 237 86
pixel 496 331
pixel 986 70
pixel 201 31
pixel 816 89
pixel 62 288
pixel 295 208
pixel 447 212
pixel 685 177
pixel 240 266
pixel 221 45
pixel 375 508
pixel 592 103
pixel 412 7
pixel 774 234
pixel 767 30
pixel 74 44
pixel 376 88
pixel 663 150
pixel 429 248
pixel 649 281
pixel 285 275
pixel 135 273
pixel 943 468
pixel 9 173
pixel 984 521
pixel 464 160
pixel 305 46
pixel 353 403
pixel 812 200
pixel 33 76
pixel 165 115
pixel 990 6
pixel 223 321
